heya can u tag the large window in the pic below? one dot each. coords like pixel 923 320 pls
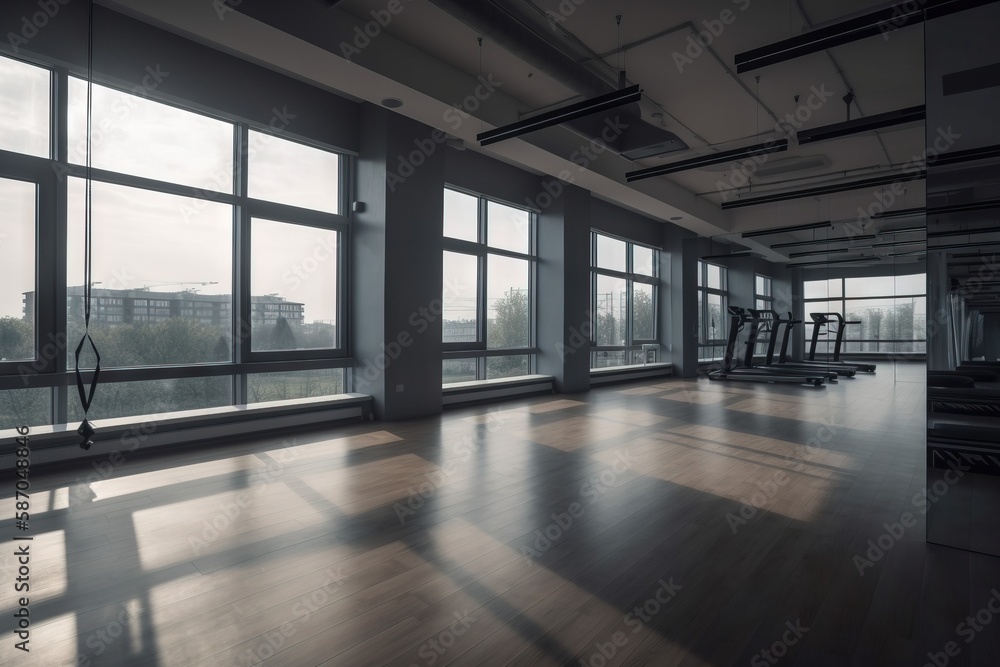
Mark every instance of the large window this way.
pixel 890 311
pixel 192 264
pixel 624 295
pixel 713 315
pixel 488 298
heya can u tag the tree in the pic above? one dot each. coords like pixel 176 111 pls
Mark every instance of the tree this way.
pixel 17 339
pixel 642 314
pixel 508 328
pixel 282 336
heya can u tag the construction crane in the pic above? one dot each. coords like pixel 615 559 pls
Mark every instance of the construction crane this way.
pixel 146 288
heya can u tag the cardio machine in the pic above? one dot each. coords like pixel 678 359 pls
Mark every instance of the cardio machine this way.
pixel 770 322
pixel 739 318
pixel 821 320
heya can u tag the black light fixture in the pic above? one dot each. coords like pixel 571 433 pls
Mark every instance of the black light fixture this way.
pixel 782 230
pixel 964 232
pixel 961 208
pixel 810 253
pixel 859 125
pixel 957 157
pixel 897 244
pixel 565 114
pixel 901 213
pixel 853 260
pixel 710 159
pixel 879 22
pixel 905 230
pixel 846 239
pixel 888 179
pixel 744 253
pixel 963 246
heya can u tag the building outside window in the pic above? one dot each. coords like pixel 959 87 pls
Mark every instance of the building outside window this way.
pixel 489 289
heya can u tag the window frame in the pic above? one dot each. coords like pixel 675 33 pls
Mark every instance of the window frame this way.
pixel 53 369
pixel 481 250
pixel 631 278
pixel 704 342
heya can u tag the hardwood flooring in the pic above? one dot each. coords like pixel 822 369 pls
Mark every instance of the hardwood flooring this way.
pixel 661 523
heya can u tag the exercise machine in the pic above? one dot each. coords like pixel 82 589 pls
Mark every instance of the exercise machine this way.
pixel 772 323
pixel 821 320
pixel 768 323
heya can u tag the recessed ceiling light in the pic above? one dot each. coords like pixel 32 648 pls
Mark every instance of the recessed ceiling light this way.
pixel 392 102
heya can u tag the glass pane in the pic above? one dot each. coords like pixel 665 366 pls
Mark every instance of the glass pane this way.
pixel 702 334
pixel 508 228
pixel 643 312
pixel 610 302
pixel 293 286
pixel 877 318
pixel 290 173
pixel 17 289
pixel 643 261
pixel 25 407
pixel 458 370
pixel 262 387
pixel 152 397
pixel 459 305
pixel 507 297
pixel 715 277
pixel 825 334
pixel 701 272
pixel 871 286
pixel 25 92
pixel 716 316
pixel 762 286
pixel 162 285
pixel 506 367
pixel 607 358
pixel 610 253
pixel 137 136
pixel 461 216
pixel 822 289
pixel 911 284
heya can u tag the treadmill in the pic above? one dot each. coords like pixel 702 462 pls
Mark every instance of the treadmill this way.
pixel 848 370
pixel 825 320
pixel 766 321
pixel 739 318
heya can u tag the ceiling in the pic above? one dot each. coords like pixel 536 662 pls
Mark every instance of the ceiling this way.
pixel 430 60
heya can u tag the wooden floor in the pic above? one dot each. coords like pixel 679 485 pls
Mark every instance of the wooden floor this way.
pixel 666 523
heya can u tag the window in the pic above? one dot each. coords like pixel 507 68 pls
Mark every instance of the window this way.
pixel 294 279
pixel 291 173
pixel 713 314
pixel 891 312
pixel 25 108
pixel 17 238
pixel 624 292
pixel 137 136
pixel 171 233
pixel 763 301
pixel 488 298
